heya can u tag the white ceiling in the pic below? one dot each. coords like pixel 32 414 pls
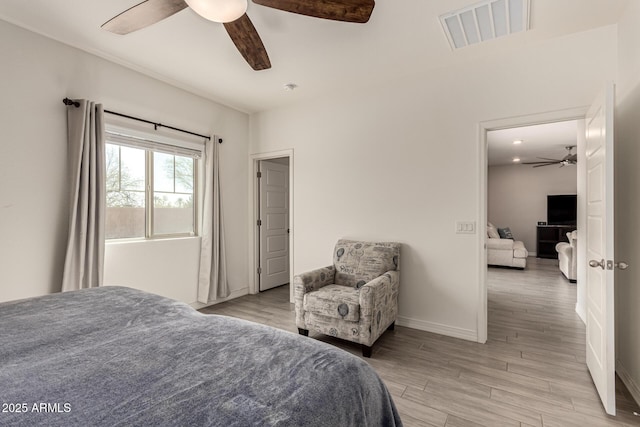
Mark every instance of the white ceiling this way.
pixel 544 140
pixel 402 37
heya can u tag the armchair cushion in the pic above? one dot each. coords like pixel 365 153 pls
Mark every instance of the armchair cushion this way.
pixel 339 302
pixel 358 263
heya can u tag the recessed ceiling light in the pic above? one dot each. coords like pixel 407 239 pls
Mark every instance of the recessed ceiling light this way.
pixel 516 160
pixel 290 87
pixel 517 142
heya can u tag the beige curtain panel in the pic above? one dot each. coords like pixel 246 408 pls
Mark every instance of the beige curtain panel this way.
pixel 84 262
pixel 212 281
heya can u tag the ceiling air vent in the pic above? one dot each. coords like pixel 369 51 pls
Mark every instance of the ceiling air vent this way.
pixel 485 21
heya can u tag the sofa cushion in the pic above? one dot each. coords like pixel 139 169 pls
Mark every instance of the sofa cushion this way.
pixel 358 263
pixel 336 301
pixel 492 231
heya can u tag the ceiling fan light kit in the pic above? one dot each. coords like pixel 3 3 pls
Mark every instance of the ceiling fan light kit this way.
pixel 221 11
pixel 232 14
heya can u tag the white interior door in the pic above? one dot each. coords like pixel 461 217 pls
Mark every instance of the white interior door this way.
pixel 600 305
pixel 274 225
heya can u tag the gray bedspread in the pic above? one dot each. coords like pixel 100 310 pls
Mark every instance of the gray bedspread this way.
pixel 115 356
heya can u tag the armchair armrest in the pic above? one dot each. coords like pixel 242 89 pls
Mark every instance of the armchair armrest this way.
pixel 565 248
pixel 308 282
pixel 373 293
pixel 313 280
pixel 573 243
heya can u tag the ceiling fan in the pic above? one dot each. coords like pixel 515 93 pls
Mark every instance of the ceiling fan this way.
pixel 231 13
pixel 569 159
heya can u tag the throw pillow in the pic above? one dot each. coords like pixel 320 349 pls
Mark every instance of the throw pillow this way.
pixel 492 232
pixel 505 233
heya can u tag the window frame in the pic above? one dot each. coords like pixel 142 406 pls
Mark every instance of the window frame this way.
pixel 115 134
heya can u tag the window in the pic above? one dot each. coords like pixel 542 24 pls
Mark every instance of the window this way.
pixel 151 188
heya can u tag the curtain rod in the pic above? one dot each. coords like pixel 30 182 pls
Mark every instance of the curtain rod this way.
pixel 76 104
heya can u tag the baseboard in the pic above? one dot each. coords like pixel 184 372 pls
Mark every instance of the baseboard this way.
pixel 233 295
pixel 437 328
pixel 631 385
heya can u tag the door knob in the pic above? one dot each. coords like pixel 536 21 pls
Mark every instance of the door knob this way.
pixel 621 265
pixel 594 263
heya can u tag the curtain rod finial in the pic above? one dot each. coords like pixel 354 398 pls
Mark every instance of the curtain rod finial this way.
pixel 68 101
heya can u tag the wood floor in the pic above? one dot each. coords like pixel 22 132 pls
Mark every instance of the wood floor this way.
pixel 531 372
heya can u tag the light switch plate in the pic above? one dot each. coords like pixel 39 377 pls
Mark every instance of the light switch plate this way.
pixel 465 227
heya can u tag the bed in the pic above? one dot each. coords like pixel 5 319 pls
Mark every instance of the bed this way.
pixel 115 356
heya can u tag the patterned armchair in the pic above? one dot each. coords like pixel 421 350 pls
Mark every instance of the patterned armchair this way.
pixel 356 298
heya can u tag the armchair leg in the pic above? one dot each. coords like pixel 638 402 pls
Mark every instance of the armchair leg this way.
pixel 366 350
pixel 392 326
pixel 304 332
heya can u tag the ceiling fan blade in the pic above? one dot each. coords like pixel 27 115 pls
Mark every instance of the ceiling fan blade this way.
pixel 550 160
pixel 246 38
pixel 545 164
pixel 142 15
pixel 357 11
pixel 539 163
pixel 573 158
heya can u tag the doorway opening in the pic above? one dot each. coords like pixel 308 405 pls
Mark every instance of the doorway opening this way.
pixel 486 128
pixel 532 183
pixel 271 239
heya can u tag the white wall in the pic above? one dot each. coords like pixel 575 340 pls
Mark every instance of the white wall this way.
pixel 36 74
pixel 627 200
pixel 400 161
pixel 517 197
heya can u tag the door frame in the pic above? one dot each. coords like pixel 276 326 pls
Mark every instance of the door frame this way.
pixel 577 113
pixel 266 280
pixel 254 207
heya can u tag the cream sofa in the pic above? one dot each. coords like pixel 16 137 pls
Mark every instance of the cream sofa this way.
pixel 567 256
pixel 505 252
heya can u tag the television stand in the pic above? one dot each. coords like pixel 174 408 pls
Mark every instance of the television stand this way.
pixel 548 236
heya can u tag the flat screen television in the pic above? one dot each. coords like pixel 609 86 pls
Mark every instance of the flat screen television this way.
pixel 562 209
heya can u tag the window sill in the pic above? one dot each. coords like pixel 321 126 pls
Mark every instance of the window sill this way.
pixel 115 242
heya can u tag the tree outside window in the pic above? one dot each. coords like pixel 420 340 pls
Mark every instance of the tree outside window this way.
pixel 143 204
